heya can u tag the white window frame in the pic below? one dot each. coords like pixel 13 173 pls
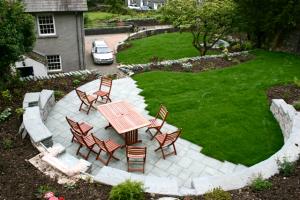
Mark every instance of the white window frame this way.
pixel 60 63
pixel 38 25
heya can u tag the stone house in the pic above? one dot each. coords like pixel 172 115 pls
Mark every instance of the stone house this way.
pixel 60 32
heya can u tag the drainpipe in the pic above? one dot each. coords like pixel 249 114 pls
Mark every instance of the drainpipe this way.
pixel 78 41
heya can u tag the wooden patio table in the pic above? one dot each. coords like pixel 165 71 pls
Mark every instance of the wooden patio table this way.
pixel 124 119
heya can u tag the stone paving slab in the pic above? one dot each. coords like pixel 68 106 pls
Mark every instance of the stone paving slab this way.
pixel 188 163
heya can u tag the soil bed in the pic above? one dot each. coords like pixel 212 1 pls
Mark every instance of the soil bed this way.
pixel 203 64
pixel 289 93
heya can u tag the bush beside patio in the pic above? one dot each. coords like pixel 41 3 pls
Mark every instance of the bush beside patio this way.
pixel 226 111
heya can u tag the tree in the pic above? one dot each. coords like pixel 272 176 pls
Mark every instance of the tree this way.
pixel 116 6
pixel 16 35
pixel 267 21
pixel 207 20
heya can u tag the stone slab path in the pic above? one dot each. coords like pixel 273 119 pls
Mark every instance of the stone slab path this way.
pixel 189 162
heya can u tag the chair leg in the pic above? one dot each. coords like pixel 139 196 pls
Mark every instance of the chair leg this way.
pixel 174 149
pixel 78 149
pixel 89 109
pixel 98 154
pixel 80 106
pixel 157 131
pixel 162 151
pixel 158 148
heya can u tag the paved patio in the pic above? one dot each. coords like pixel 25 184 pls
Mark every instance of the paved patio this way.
pixel 188 163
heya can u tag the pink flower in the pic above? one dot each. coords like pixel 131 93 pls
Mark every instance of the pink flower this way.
pixel 53 198
pixel 48 195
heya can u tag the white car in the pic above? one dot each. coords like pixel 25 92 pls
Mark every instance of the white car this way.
pixel 101 53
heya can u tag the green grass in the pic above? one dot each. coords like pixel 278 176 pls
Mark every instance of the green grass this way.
pixel 164 46
pixel 225 111
pixel 97 18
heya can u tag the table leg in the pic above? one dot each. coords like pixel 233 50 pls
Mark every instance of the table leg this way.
pixel 131 137
pixel 108 126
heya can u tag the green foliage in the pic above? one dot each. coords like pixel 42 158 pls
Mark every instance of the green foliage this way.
pixel 42 189
pixel 129 190
pixel 4 115
pixel 6 95
pixel 285 167
pixel 259 184
pixel 59 94
pixel 297 105
pixel 267 21
pixel 225 110
pixel 208 21
pixel 217 194
pixel 7 143
pixel 19 111
pixel 297 82
pixel 70 186
pixel 116 6
pixel 166 46
pixel 76 82
pixel 16 35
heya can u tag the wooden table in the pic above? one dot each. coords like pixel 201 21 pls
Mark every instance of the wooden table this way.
pixel 124 119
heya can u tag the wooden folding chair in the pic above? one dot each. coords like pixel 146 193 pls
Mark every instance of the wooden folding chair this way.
pixel 108 146
pixel 155 123
pixel 84 141
pixel 166 140
pixel 136 155
pixel 81 128
pixel 104 89
pixel 87 100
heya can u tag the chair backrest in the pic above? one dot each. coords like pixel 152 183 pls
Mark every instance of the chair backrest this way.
pixel 73 124
pixel 162 113
pixel 82 95
pixel 78 137
pixel 100 143
pixel 136 151
pixel 171 137
pixel 105 84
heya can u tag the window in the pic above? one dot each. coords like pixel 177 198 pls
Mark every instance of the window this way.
pixel 46 25
pixel 54 63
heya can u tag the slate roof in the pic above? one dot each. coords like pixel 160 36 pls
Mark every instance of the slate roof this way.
pixel 55 5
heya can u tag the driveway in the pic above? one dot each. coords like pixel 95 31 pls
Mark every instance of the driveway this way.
pixel 112 40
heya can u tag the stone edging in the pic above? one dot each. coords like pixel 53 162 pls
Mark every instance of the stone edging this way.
pixel 57 75
pixel 132 69
pixel 37 107
pixel 289 120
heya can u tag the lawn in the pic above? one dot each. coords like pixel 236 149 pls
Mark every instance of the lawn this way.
pixel 98 19
pixel 225 111
pixel 164 46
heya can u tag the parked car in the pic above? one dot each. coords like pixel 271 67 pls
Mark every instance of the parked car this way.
pixel 101 53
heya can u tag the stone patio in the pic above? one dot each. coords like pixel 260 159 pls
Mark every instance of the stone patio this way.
pixel 188 163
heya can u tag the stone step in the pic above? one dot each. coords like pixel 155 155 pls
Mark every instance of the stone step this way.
pixel 152 184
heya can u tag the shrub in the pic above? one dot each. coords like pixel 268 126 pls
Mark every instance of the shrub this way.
pixel 247 45
pixel 7 143
pixel 285 167
pixel 76 82
pixel 59 94
pixel 19 111
pixel 217 194
pixel 297 82
pixel 4 115
pixel 259 184
pixel 129 190
pixel 297 105
pixel 42 189
pixel 236 47
pixel 6 95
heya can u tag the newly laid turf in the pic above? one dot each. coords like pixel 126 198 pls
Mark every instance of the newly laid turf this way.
pixel 163 46
pixel 225 111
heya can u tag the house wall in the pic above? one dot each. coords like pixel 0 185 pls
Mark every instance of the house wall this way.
pixel 68 41
pixel 39 69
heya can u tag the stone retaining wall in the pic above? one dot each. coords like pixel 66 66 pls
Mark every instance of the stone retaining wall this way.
pixel 135 68
pixel 289 121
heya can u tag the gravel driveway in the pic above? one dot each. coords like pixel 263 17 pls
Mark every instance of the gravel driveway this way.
pixel 112 40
